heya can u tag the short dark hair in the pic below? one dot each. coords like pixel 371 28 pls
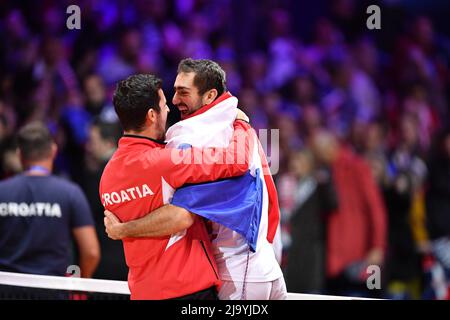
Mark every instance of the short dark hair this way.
pixel 208 74
pixel 35 141
pixel 133 98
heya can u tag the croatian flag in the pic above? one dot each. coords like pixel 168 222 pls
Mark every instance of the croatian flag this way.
pixel 247 204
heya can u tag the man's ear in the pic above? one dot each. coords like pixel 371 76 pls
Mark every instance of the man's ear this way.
pixel 209 96
pixel 151 116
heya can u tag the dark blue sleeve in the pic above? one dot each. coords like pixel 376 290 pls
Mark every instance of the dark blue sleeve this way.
pixel 80 212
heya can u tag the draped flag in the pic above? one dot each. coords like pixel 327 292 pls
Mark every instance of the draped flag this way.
pixel 247 204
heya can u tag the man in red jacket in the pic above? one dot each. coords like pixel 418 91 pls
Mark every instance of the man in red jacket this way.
pixel 356 234
pixel 137 179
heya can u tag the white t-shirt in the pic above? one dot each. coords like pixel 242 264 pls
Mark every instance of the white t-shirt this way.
pixel 231 249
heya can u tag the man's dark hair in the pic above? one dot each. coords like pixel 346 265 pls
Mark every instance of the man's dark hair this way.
pixel 34 141
pixel 133 98
pixel 208 75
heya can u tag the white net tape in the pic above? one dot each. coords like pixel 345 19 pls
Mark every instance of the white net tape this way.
pixel 110 286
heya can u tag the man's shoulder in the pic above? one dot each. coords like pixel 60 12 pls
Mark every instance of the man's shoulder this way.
pixel 138 159
pixel 58 185
pixel 62 183
pixel 10 181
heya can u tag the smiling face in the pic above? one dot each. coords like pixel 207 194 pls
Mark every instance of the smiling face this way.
pixel 186 98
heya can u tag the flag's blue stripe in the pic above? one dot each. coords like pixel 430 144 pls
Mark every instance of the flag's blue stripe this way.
pixel 234 203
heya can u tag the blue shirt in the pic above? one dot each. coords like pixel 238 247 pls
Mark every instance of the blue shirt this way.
pixel 37 216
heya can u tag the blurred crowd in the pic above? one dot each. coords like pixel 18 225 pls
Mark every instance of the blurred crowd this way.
pixel 383 96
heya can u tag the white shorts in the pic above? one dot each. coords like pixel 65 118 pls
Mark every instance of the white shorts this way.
pixel 272 290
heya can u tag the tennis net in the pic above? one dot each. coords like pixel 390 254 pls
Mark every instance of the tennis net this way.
pixel 18 286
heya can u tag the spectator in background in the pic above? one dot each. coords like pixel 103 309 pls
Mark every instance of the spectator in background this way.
pixel 282 49
pixel 40 214
pixel 9 160
pixel 3 129
pixel 313 197
pixel 416 104
pixel 101 145
pixel 97 102
pixel 338 103
pixel 255 75
pixel 118 63
pixel 438 203
pixel 406 173
pixel 356 232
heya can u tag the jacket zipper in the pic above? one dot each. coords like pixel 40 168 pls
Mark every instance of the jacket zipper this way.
pixel 207 255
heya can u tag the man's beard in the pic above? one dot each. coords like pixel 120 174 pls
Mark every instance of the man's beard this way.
pixel 162 131
pixel 162 134
pixel 188 112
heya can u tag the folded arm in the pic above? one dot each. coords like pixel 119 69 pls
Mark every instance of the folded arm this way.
pixel 161 222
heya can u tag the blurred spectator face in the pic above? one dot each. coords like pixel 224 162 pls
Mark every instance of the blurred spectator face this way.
pixel 366 56
pixel 325 33
pixel 53 20
pixel 423 31
pixel 255 72
pixel 3 128
pixel 324 146
pixel 257 65
pixel 197 27
pixel 52 51
pixel 287 127
pixel 409 128
pixel 272 103
pixel 344 8
pixel 280 23
pixel 311 118
pixel 378 169
pixel 130 45
pixel 304 90
pixel 152 9
pixel 186 98
pixel 15 25
pixel 11 161
pixel 100 148
pixel 301 164
pixel 415 100
pixel 343 74
pixel 94 90
pixel 447 145
pixel 358 134
pixel 172 40
pixel 373 137
pixel 249 100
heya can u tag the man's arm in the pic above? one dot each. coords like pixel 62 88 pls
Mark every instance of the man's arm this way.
pixel 89 249
pixel 161 222
pixel 197 165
